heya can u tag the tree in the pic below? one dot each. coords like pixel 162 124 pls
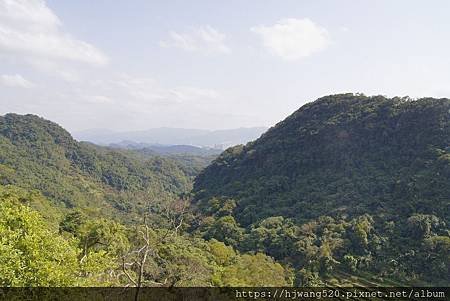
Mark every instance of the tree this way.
pixel 225 229
pixel 362 226
pixel 307 278
pixel 136 262
pixel 223 254
pixel 72 222
pixel 350 262
pixel 102 234
pixel 420 226
pixel 255 270
pixel 437 254
pixel 30 253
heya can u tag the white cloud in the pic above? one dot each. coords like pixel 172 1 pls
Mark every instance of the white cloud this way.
pixel 16 81
pixel 204 39
pixel 29 29
pixel 149 91
pixel 293 39
pixel 142 89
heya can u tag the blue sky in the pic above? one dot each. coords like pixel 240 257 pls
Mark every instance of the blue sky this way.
pixel 128 65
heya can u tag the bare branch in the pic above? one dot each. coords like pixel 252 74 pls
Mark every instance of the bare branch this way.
pixel 126 273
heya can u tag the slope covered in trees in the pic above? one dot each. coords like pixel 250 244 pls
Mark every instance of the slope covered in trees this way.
pixel 38 154
pixel 76 214
pixel 347 182
pixel 347 190
pixel 85 251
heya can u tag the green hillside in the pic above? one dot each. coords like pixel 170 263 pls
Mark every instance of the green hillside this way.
pixel 346 182
pixel 347 191
pixel 76 214
pixel 37 154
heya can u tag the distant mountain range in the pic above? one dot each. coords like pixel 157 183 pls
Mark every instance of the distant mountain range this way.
pixel 219 139
pixel 160 149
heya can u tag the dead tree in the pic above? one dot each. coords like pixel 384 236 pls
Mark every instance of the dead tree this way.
pixel 134 262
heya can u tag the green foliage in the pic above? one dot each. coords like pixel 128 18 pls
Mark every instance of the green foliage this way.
pixel 187 262
pixel 78 187
pixel 347 182
pixel 72 222
pixel 352 152
pixel 254 270
pixel 181 260
pixel 420 225
pixel 351 263
pixel 275 236
pixel 223 254
pixel 36 154
pixel 307 278
pixel 225 229
pixel 102 235
pixel 361 229
pixel 347 187
pixel 31 254
pixel 437 251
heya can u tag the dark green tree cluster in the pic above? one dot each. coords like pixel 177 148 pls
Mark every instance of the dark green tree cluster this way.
pixel 346 184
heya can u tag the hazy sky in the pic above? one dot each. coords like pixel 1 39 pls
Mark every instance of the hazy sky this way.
pixel 138 64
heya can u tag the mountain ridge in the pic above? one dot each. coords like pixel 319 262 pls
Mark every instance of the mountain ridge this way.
pixel 174 136
pixel 292 147
pixel 38 154
pixel 347 187
pixel 346 184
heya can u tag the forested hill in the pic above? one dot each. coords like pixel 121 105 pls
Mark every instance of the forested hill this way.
pixel 75 214
pixel 343 153
pixel 348 190
pixel 373 169
pixel 41 155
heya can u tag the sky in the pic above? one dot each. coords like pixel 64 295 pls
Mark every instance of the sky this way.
pixel 140 64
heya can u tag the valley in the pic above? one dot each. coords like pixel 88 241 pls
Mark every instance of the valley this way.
pixel 349 190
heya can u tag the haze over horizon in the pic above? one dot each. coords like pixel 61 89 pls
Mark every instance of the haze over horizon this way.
pixel 172 136
pixel 137 65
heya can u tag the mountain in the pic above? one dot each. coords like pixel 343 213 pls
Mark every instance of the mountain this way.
pixel 37 154
pixel 363 181
pixel 174 136
pixel 192 159
pixel 347 153
pixel 166 149
pixel 152 136
pixel 77 214
pixel 349 190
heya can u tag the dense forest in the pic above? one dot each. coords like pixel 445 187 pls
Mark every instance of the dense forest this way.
pixel 347 184
pixel 76 214
pixel 348 190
